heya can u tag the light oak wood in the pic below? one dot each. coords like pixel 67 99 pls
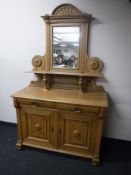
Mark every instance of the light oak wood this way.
pixel 62 110
pixel 61 120
pixel 63 96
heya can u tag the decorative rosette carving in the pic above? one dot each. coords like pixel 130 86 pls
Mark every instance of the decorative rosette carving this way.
pixel 37 61
pixel 94 64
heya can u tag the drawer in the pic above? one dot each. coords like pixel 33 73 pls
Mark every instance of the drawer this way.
pixel 78 108
pixel 36 103
pixel 59 106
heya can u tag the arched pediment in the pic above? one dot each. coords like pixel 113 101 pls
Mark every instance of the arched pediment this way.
pixel 66 10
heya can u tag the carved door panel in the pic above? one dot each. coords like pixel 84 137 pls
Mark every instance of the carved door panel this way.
pixel 38 126
pixel 77 132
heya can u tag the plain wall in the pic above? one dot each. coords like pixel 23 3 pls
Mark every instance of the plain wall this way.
pixel 22 35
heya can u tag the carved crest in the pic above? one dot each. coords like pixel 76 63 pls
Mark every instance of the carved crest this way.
pixel 66 10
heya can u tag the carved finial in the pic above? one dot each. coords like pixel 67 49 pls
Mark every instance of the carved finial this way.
pixel 46 18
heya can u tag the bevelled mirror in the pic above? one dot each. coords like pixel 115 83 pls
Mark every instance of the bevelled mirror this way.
pixel 65 47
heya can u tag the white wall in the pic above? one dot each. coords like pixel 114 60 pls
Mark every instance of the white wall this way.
pixel 22 37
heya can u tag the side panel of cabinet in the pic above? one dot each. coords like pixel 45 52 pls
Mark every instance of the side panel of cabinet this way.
pixel 38 127
pixel 77 133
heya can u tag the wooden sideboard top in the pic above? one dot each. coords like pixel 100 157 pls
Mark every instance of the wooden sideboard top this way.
pixel 98 99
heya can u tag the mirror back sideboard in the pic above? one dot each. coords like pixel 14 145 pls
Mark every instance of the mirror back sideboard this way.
pixel 63 108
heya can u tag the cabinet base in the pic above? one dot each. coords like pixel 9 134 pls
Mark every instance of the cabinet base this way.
pixel 95 161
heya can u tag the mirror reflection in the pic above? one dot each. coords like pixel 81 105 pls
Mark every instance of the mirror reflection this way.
pixel 65 47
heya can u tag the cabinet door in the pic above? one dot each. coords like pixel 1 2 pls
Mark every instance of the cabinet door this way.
pixel 77 133
pixel 38 127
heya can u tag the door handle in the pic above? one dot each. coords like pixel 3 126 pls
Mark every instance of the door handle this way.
pixel 34 104
pixel 59 131
pixel 52 129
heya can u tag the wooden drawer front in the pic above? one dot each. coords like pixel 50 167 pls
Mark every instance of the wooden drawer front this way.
pixel 78 109
pixel 37 103
pixel 59 106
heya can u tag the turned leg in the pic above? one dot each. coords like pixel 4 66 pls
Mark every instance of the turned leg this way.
pixel 18 146
pixel 95 161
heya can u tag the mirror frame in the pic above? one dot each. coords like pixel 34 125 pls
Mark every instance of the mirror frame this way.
pixel 67 15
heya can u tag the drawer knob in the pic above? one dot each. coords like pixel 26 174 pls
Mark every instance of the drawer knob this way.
pixel 37 126
pixel 76 133
pixel 77 110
